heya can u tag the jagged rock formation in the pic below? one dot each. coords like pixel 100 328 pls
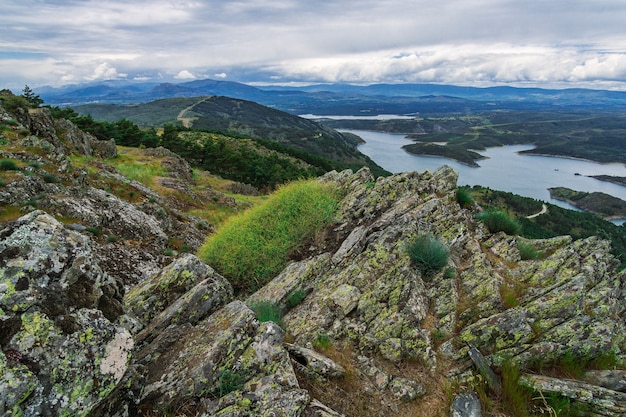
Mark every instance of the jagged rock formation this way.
pixel 109 328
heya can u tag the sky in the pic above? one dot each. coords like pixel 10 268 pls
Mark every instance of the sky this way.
pixel 538 43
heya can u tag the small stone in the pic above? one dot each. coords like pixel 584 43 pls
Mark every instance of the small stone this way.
pixel 406 389
pixel 466 404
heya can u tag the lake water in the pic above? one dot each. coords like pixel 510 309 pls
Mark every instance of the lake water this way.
pixel 505 169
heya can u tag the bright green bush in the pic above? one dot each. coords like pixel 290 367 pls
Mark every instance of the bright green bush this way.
pixel 250 249
pixel 500 221
pixel 428 254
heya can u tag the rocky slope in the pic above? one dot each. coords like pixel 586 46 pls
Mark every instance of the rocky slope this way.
pixel 93 326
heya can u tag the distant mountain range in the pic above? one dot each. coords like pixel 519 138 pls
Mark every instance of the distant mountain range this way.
pixel 343 99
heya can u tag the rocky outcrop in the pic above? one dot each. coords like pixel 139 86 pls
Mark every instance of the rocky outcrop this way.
pixel 63 134
pixel 61 351
pixel 368 323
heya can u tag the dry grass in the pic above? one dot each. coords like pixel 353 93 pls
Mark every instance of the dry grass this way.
pixel 355 395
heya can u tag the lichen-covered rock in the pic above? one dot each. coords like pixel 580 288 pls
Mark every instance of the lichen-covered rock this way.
pixel 315 363
pixel 613 379
pixel 600 401
pixel 370 293
pixel 405 389
pixel 98 208
pixel 62 355
pixel 466 404
pixel 228 364
pixel 151 298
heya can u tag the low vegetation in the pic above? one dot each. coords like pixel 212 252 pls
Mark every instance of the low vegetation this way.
pixel 557 221
pixel 428 254
pixel 268 311
pixel 464 197
pixel 251 248
pixel 500 221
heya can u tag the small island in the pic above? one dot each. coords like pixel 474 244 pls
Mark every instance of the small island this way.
pixel 600 204
pixel 458 153
pixel 611 179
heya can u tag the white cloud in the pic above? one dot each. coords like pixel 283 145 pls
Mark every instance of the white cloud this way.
pixel 185 75
pixel 221 75
pixel 105 71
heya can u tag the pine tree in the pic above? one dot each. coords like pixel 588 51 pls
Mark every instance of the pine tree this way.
pixel 33 99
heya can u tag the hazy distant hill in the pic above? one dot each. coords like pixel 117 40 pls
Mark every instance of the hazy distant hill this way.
pixel 344 99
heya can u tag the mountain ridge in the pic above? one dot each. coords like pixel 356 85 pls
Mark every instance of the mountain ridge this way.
pixel 346 98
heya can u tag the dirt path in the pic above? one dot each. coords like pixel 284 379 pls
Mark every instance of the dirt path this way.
pixel 186 121
pixel 543 210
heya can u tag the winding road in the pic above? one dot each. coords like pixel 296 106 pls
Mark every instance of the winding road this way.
pixel 544 209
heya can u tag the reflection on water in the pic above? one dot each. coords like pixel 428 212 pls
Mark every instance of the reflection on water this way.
pixel 505 169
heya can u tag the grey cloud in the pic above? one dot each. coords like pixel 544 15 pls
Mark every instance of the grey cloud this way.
pixel 454 41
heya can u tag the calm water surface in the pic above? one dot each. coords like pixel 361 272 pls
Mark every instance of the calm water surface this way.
pixel 505 169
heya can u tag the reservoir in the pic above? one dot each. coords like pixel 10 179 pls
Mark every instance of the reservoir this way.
pixel 504 169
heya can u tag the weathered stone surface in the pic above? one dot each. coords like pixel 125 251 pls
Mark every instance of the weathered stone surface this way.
pixel 297 276
pixel 229 363
pixel 314 362
pixel 151 298
pixel 317 409
pixel 611 379
pixel 371 266
pixel 61 354
pixel 466 404
pixel 405 389
pixel 98 208
pixel 603 402
pixel 483 368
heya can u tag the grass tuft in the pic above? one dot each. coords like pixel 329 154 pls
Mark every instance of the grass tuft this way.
pixel 8 165
pixel 500 221
pixel 268 311
pixel 428 254
pixel 528 251
pixel 251 248
pixel 464 197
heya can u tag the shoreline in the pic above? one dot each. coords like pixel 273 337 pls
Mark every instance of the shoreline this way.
pixel 575 158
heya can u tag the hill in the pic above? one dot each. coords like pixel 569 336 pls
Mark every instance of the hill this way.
pixel 242 118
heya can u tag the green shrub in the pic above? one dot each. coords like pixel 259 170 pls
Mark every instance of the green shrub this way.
pixel 93 230
pixel 322 342
pixel 229 381
pixel 49 178
pixel 34 164
pixel 528 251
pixel 250 249
pixel 428 254
pixel 8 165
pixel 268 311
pixel 464 197
pixel 500 221
pixel 295 298
pixel 12 103
pixel 449 273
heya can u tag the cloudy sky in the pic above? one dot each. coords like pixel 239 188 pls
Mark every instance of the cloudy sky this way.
pixel 546 43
